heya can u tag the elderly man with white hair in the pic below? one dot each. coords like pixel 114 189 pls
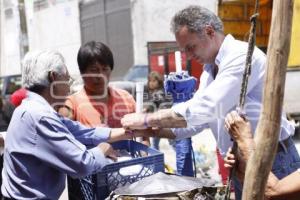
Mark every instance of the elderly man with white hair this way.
pixel 41 146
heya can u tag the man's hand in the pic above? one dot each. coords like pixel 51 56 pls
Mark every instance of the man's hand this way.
pixel 231 161
pixel 149 132
pixel 238 127
pixel 134 121
pixel 155 132
pixel 271 187
pixel 108 151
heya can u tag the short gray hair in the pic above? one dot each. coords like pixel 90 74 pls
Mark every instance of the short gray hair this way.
pixel 195 18
pixel 37 65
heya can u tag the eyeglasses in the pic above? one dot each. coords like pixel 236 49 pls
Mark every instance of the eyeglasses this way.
pixel 71 80
pixel 65 77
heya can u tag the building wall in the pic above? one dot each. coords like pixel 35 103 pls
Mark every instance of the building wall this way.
pixel 10 37
pixel 54 24
pixel 151 22
pixel 109 21
pixel 127 25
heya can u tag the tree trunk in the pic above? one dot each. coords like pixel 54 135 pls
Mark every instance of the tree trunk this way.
pixel 267 132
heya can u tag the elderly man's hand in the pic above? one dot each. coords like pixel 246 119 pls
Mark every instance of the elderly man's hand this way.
pixel 238 127
pixel 134 121
pixel 108 151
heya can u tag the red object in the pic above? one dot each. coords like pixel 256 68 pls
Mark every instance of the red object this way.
pixel 161 54
pixel 17 97
pixel 222 170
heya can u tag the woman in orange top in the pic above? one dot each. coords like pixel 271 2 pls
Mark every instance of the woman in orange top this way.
pixel 97 104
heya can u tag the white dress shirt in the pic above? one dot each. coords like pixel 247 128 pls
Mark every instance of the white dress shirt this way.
pixel 218 96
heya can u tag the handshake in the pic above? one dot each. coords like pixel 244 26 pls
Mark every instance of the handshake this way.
pixel 144 125
pixel 141 125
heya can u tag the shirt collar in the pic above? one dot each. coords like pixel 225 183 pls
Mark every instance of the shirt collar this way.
pixel 222 52
pixel 224 48
pixel 36 97
pixel 207 68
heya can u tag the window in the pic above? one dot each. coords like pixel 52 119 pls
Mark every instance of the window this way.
pixel 40 5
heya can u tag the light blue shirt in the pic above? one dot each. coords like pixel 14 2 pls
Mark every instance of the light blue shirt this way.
pixel 218 96
pixel 41 147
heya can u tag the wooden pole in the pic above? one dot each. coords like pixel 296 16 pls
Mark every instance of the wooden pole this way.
pixel 267 132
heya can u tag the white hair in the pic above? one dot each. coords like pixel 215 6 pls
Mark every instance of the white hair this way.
pixel 37 65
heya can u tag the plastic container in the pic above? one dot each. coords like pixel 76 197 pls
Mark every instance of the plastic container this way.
pixel 125 172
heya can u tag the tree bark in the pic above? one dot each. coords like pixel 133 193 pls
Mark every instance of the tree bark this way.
pixel 267 132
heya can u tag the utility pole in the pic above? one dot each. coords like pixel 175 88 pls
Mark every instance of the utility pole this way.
pixel 267 131
pixel 23 29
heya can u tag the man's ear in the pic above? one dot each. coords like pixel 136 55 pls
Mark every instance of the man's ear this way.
pixel 51 76
pixel 209 30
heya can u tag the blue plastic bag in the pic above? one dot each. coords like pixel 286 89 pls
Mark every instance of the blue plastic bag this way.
pixel 180 85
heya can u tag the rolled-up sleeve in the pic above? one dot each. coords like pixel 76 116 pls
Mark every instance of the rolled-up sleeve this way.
pixel 64 152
